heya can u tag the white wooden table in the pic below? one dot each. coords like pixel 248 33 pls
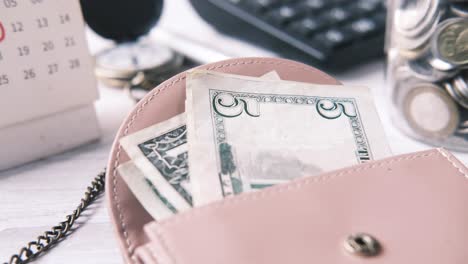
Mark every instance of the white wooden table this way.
pixel 38 195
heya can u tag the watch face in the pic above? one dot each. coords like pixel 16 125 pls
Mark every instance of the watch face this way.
pixel 127 59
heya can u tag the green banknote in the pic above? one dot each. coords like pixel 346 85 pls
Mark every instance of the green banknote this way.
pixel 158 172
pixel 159 154
pixel 247 133
pixel 155 203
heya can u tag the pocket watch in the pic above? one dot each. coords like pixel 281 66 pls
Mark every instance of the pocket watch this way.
pixel 137 65
pixel 134 62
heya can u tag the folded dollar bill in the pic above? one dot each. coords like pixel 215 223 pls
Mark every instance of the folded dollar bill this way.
pixel 247 133
pixel 159 153
pixel 157 174
pixel 146 192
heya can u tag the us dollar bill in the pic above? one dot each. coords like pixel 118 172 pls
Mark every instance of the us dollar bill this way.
pixel 157 174
pixel 246 133
pixel 149 196
pixel 159 152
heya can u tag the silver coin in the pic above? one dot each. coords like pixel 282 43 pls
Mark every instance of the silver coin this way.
pixel 455 94
pixel 430 111
pixel 461 83
pixel 458 89
pixel 459 9
pixel 420 68
pixel 414 17
pixel 441 64
pixel 415 52
pixel 419 41
pixel 450 42
pixel 411 14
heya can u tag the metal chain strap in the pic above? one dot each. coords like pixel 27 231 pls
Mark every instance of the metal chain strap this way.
pixel 55 234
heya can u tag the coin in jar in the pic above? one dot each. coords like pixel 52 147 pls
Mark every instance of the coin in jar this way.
pixel 430 111
pixel 420 68
pixel 458 89
pixel 412 15
pixel 450 42
pixel 459 9
pixel 414 41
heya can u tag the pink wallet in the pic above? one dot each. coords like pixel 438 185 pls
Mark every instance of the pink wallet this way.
pixel 405 209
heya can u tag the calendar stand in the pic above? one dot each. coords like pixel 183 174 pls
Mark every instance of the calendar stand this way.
pixel 47 83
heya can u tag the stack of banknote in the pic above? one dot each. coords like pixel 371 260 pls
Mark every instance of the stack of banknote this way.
pixel 242 134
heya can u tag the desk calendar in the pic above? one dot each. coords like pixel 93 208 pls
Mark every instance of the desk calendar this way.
pixel 46 72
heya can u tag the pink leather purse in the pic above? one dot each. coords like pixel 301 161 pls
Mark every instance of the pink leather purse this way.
pixel 405 209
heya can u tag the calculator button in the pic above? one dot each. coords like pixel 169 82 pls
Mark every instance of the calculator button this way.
pixel 284 14
pixel 261 5
pixel 336 15
pixel 365 6
pixel 307 26
pixel 363 26
pixel 313 5
pixel 333 38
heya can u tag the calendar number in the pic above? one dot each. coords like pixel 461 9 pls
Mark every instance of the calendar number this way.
pixel 52 68
pixel 69 42
pixel 42 22
pixel 37 1
pixel 4 79
pixel 17 27
pixel 65 18
pixel 47 46
pixel 75 63
pixel 29 74
pixel 10 3
pixel 23 51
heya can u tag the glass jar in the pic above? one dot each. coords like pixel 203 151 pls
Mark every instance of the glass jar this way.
pixel 427 61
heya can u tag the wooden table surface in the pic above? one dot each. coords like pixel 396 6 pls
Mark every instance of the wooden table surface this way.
pixel 38 195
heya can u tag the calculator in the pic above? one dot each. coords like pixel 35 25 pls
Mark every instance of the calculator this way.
pixel 330 34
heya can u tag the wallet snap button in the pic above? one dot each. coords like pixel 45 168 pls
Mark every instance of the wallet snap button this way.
pixel 362 244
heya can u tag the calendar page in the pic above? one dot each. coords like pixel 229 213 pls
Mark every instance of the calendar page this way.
pixel 45 66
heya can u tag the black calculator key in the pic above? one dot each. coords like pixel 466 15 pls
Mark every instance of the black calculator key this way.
pixel 261 5
pixel 333 38
pixel 284 14
pixel 336 15
pixel 313 5
pixel 307 26
pixel 363 26
pixel 365 6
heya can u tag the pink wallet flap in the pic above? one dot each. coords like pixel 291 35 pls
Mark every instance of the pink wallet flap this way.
pixel 415 206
